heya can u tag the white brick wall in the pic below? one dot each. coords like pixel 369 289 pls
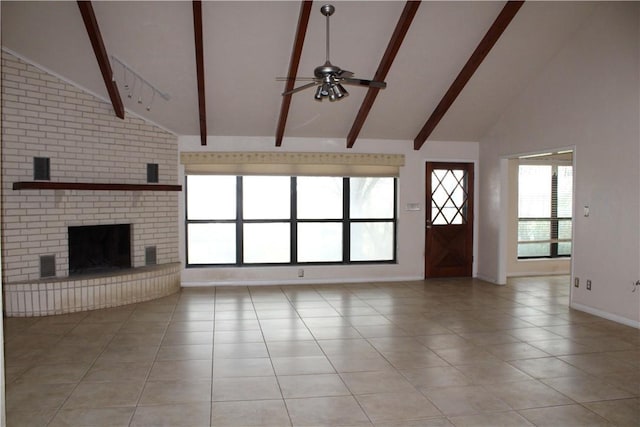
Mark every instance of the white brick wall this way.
pixel 43 116
pixel 62 296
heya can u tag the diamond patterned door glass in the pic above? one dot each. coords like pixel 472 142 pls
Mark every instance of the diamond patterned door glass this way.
pixel 448 197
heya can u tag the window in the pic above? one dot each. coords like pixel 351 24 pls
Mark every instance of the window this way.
pixel 544 210
pixel 280 220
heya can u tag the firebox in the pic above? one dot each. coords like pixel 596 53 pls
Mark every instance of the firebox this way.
pixel 99 248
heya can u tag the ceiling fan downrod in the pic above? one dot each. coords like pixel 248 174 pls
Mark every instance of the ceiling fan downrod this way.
pixel 327 69
pixel 327 10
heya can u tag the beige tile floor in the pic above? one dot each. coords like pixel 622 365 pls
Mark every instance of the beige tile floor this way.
pixel 456 352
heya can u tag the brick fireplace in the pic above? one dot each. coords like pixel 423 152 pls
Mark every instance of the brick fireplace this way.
pixel 53 134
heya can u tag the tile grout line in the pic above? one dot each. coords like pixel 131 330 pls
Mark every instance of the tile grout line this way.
pixel 92 364
pixel 155 359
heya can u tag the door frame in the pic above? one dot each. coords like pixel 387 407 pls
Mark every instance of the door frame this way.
pixel 503 230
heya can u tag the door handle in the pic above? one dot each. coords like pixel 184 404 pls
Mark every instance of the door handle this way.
pixel 428 225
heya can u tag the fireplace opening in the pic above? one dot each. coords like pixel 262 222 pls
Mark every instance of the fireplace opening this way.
pixel 99 248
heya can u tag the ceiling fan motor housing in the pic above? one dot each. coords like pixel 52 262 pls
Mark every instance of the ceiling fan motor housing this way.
pixel 327 69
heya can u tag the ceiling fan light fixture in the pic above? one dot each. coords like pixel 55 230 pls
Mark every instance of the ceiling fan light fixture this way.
pixel 333 91
pixel 332 94
pixel 325 89
pixel 340 91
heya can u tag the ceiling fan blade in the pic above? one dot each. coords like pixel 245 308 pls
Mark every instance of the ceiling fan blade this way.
pixel 286 79
pixel 345 73
pixel 299 88
pixel 362 82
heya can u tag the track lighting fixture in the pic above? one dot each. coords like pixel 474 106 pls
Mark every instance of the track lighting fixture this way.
pixel 135 85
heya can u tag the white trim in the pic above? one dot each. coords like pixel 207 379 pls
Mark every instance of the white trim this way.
pixel 537 273
pixel 503 228
pixel 574 241
pixel 606 315
pixel 84 89
pixel 503 238
pixel 491 280
pixel 544 162
pixel 240 282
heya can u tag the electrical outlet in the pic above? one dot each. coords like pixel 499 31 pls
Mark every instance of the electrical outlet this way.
pixel 301 272
pixel 588 284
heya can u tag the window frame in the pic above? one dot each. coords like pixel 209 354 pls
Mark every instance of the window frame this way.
pixel 553 220
pixel 293 221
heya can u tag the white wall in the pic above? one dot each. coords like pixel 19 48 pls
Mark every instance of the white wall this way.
pixel 586 97
pixel 410 264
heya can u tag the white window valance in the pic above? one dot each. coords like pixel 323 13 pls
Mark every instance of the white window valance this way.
pixel 291 164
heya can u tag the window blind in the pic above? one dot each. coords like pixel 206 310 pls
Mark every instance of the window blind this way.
pixel 292 164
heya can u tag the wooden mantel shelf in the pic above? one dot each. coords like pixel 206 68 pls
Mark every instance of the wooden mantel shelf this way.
pixel 47 185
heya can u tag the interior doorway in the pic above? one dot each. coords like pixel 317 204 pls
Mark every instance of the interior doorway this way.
pixel 539 214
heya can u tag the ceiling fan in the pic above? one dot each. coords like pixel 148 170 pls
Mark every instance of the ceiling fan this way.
pixel 328 77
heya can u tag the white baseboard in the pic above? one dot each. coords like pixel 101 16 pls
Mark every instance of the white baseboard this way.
pixel 537 273
pixel 300 281
pixel 606 315
pixel 491 280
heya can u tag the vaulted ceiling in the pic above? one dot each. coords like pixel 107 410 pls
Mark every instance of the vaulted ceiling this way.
pixel 246 45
